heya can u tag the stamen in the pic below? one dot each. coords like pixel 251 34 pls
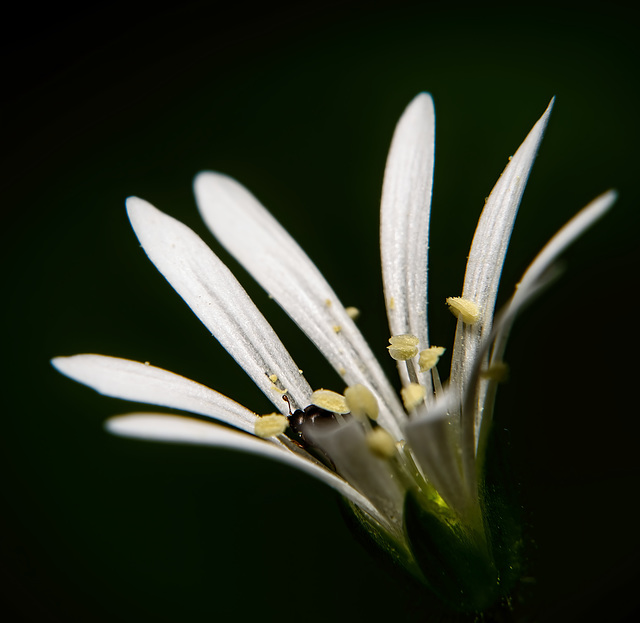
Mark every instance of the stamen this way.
pixel 271 425
pixel 288 401
pixel 276 385
pixel 437 385
pixel 353 312
pixel 381 443
pixel 337 328
pixel 403 347
pixel 411 371
pixel 464 308
pixel 498 371
pixel 361 402
pixel 412 395
pixel 329 401
pixel 429 357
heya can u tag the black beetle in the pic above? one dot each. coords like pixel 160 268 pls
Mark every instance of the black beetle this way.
pixel 310 416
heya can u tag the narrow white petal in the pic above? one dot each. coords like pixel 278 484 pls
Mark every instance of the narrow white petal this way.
pixel 572 230
pixel 445 451
pixel 139 382
pixel 487 254
pixel 404 222
pixel 347 446
pixel 254 237
pixel 491 239
pixel 177 429
pixel 219 301
pixel 479 391
pixel 432 439
pixel 537 276
pixel 548 255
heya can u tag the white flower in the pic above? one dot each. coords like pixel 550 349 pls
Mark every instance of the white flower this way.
pixel 434 446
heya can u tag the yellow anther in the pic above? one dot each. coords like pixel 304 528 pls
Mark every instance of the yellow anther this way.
pixel 429 357
pixel 273 378
pixel 392 303
pixel 330 401
pixel 412 395
pixel 498 372
pixel 280 390
pixel 353 312
pixel 381 443
pixel 405 338
pixel 337 328
pixel 271 425
pixel 403 347
pixel 328 302
pixel 464 308
pixel 361 402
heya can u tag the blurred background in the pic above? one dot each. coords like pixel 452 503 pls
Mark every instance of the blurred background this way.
pixel 299 104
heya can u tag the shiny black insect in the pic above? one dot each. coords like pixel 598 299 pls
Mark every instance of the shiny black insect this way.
pixel 310 416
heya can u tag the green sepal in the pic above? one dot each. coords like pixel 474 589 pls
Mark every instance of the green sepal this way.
pixel 453 558
pixel 388 550
pixel 503 518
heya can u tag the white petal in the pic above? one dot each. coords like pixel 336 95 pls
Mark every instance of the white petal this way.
pixel 446 451
pixel 139 382
pixel 488 251
pixel 219 301
pixel 544 260
pixel 432 439
pixel 566 235
pixel 479 391
pixel 535 279
pixel 346 445
pixel 491 239
pixel 177 429
pixel 404 222
pixel 254 237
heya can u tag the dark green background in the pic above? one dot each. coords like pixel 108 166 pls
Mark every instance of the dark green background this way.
pixel 299 104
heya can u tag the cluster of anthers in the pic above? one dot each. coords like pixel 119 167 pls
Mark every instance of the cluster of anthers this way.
pixel 314 428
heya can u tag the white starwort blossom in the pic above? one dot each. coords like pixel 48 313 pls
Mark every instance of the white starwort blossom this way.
pixel 376 450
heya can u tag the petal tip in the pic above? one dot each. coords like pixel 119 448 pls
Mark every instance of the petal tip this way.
pixel 63 364
pixel 212 181
pixel 57 362
pixel 131 202
pixel 136 207
pixel 202 177
pixel 547 113
pixel 140 425
pixel 116 424
pixel 610 196
pixel 421 104
pixel 424 96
